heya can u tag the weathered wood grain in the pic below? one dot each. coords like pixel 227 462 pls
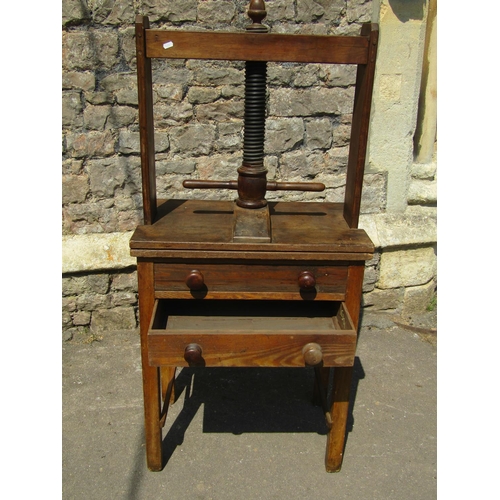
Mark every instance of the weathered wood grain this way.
pixel 266 338
pixel 261 278
pixel 256 47
pixel 202 225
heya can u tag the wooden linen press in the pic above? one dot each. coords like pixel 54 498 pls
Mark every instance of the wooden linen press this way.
pixel 251 283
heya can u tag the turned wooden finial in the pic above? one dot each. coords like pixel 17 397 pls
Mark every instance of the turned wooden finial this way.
pixel 257 12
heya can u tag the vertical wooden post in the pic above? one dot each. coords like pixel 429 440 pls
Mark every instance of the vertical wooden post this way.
pixel 146 122
pixel 150 374
pixel 359 129
pixel 342 377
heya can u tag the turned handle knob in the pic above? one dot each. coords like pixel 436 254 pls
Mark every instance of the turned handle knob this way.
pixel 195 280
pixel 313 355
pixel 307 281
pixel 193 354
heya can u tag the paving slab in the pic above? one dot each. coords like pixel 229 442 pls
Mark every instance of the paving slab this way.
pixel 252 433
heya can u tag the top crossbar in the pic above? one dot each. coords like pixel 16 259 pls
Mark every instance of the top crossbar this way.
pixel 268 47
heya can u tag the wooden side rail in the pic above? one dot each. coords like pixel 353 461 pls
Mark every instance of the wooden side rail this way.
pixel 268 47
pixel 359 129
pixel 146 122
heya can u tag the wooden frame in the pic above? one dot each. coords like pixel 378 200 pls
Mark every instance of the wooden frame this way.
pixel 359 50
pixel 317 252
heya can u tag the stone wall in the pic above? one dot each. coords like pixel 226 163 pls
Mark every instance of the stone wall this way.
pixel 98 301
pixel 403 145
pixel 198 110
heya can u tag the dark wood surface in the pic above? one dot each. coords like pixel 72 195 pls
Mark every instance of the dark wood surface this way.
pixel 146 122
pixel 257 47
pixel 341 388
pixel 245 280
pixel 257 314
pixel 150 374
pixel 190 225
pixel 251 334
pixel 359 129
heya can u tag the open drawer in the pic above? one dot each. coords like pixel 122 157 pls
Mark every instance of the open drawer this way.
pixel 250 333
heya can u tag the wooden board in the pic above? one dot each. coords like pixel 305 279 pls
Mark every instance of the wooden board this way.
pixel 206 226
pixel 256 47
pixel 273 336
pixel 250 280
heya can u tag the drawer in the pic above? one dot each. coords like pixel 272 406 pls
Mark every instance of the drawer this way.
pixel 250 333
pixel 247 281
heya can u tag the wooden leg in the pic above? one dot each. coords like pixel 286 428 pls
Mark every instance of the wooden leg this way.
pixel 342 376
pixel 151 385
pixel 150 374
pixel 167 384
pixel 339 411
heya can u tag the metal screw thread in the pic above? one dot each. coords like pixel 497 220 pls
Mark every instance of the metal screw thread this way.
pixel 255 113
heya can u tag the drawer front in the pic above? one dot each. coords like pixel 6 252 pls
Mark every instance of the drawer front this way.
pixel 273 335
pixel 181 280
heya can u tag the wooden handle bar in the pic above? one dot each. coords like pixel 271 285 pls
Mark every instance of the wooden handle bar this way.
pixel 270 186
pixel 295 186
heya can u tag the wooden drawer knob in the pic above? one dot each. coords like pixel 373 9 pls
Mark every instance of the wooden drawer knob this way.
pixel 193 355
pixel 313 355
pixel 307 281
pixel 195 280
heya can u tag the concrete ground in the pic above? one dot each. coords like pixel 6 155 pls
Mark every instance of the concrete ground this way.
pixel 253 433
